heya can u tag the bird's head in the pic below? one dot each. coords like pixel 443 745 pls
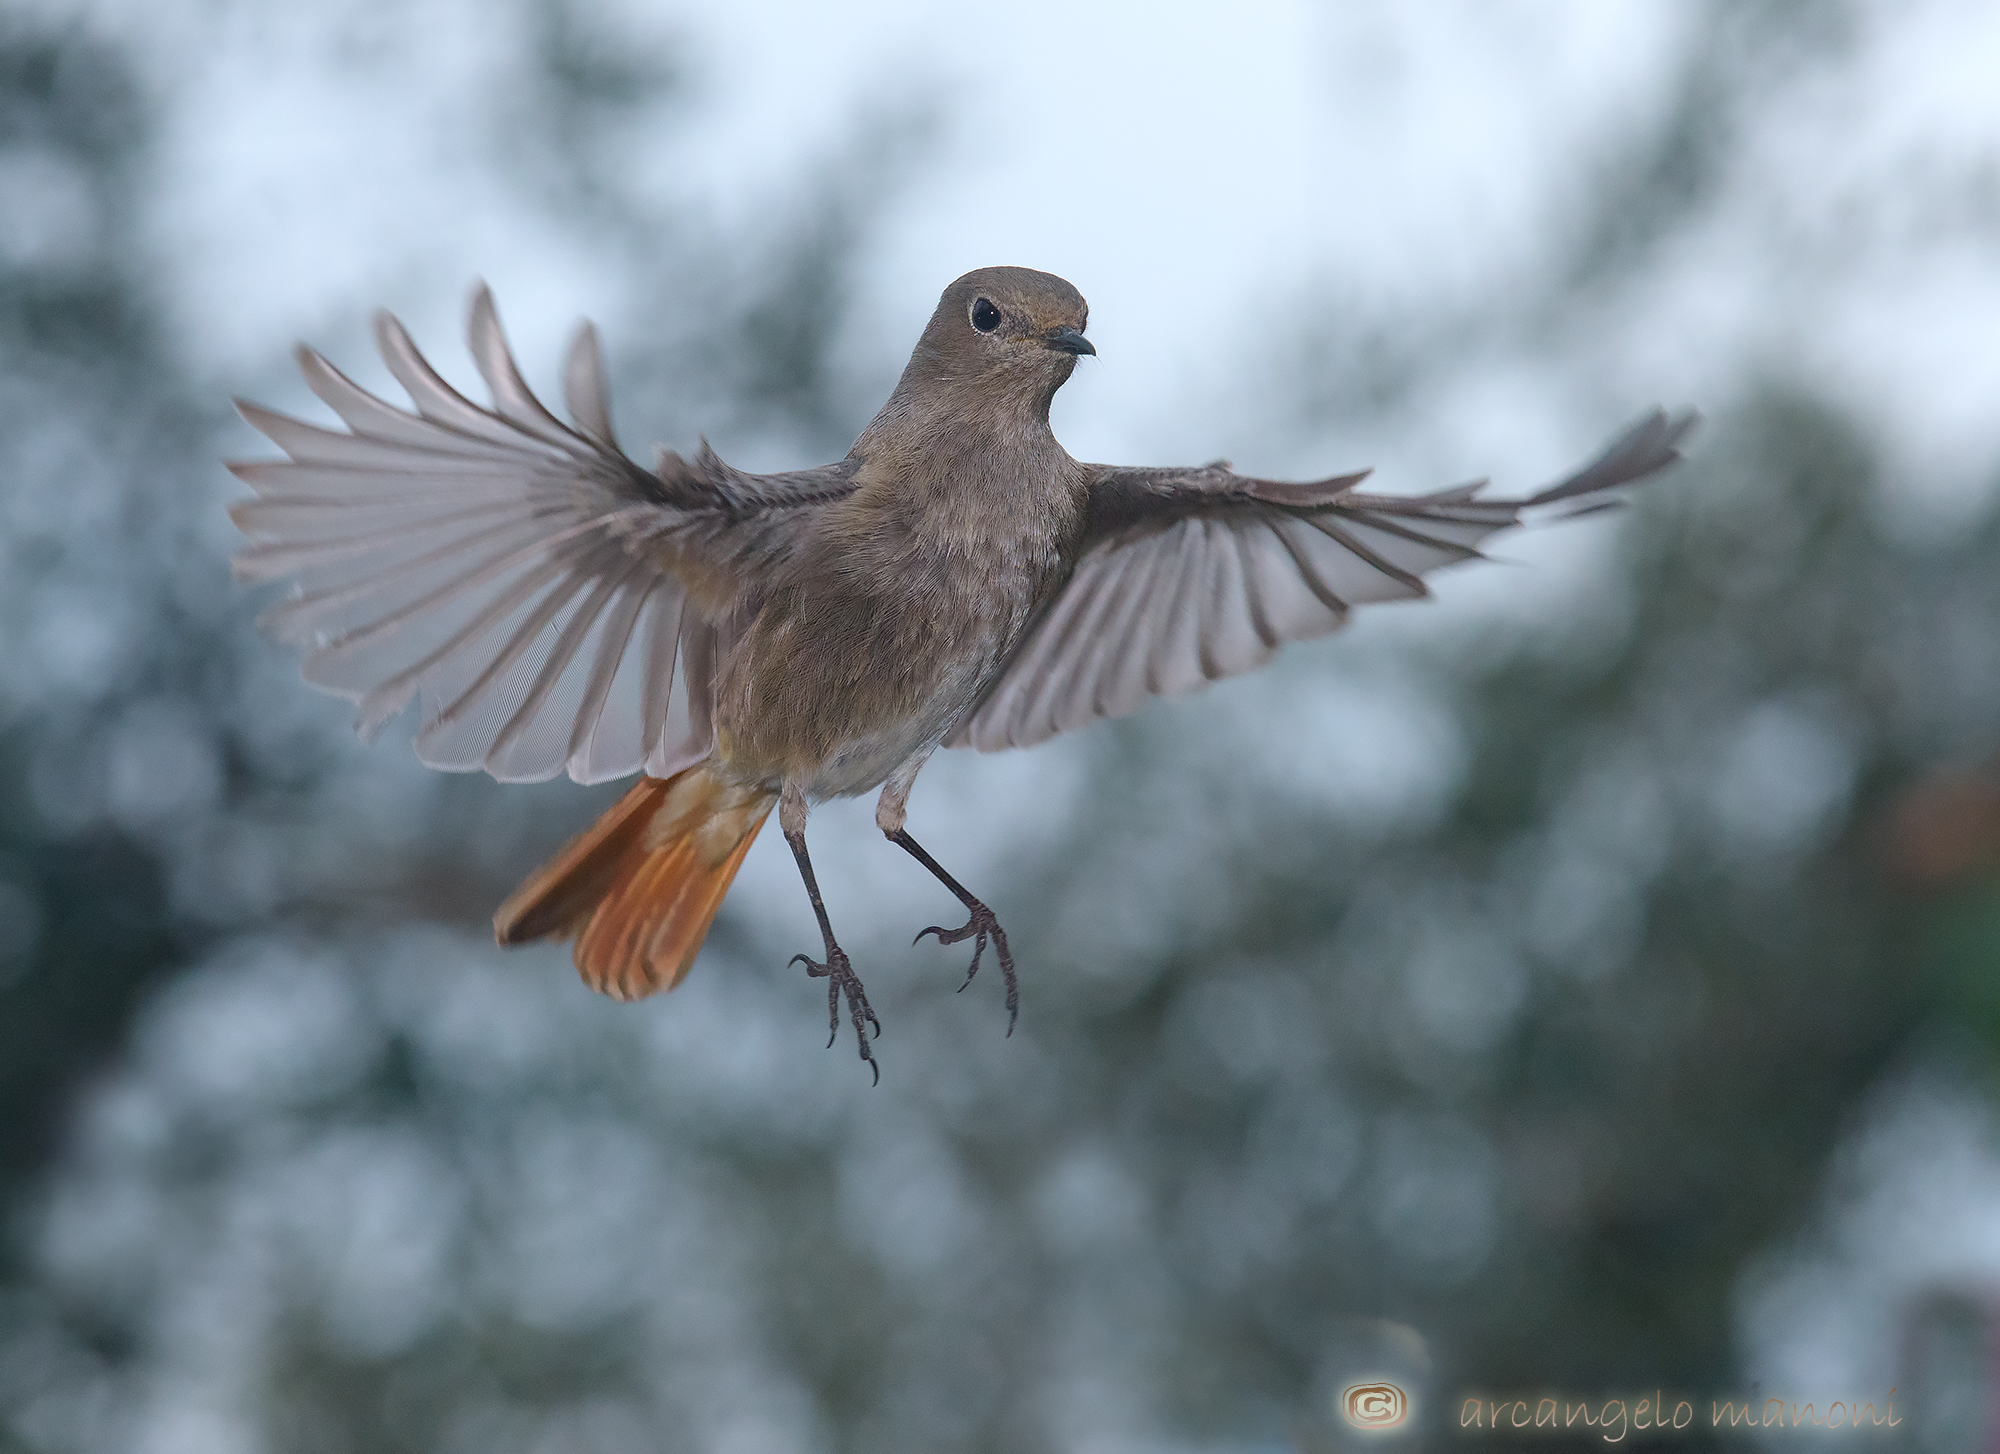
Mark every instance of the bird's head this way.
pixel 1010 330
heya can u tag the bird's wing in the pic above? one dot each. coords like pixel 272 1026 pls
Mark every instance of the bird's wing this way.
pixel 542 592
pixel 1189 575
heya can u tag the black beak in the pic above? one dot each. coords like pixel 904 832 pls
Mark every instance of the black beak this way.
pixel 1070 340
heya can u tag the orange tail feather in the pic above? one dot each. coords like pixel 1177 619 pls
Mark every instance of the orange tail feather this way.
pixel 639 887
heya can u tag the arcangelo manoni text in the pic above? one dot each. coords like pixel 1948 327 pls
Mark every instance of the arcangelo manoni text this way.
pixel 1616 1417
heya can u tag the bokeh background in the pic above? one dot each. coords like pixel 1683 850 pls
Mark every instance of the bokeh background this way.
pixel 1587 982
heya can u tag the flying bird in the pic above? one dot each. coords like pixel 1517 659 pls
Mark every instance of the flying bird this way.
pixel 754 641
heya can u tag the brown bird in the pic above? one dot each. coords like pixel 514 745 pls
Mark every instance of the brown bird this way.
pixel 751 641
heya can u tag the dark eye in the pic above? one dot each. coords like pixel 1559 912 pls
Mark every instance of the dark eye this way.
pixel 985 317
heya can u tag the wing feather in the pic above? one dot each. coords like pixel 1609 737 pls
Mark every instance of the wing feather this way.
pixel 449 658
pixel 584 390
pixel 1174 608
pixel 1073 616
pixel 1228 633
pixel 1118 659
pixel 686 734
pixel 1071 678
pixel 1191 575
pixel 518 575
pixel 308 444
pixel 605 743
pixel 546 717
pixel 439 402
pixel 662 649
pixel 364 592
pixel 543 597
pixel 511 395
pixel 540 552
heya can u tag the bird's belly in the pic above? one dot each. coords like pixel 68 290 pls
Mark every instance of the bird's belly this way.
pixel 836 701
pixel 862 763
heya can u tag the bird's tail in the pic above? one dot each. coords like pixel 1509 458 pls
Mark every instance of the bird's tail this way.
pixel 639 887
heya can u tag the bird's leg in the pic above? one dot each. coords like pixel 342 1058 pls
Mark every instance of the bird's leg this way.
pixel 981 924
pixel 836 971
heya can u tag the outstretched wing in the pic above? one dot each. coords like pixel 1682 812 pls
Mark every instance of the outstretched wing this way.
pixel 554 604
pixel 1189 575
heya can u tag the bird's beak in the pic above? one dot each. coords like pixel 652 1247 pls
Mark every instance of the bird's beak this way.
pixel 1069 340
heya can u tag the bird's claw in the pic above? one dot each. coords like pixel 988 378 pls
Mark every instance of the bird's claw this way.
pixel 982 925
pixel 840 977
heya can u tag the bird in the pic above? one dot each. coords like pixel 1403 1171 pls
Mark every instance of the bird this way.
pixel 749 642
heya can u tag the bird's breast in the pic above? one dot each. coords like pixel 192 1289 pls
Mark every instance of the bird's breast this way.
pixel 872 653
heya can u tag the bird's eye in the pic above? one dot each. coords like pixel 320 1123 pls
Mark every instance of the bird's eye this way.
pixel 985 317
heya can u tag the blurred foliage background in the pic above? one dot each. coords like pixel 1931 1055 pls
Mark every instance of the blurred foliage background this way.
pixel 1585 985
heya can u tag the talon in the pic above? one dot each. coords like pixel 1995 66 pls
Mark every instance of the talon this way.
pixel 982 925
pixel 978 948
pixel 841 979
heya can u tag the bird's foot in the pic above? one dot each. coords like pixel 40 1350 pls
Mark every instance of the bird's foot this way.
pixel 980 926
pixel 840 977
